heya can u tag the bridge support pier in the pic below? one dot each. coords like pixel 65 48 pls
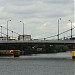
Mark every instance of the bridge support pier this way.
pixel 73 54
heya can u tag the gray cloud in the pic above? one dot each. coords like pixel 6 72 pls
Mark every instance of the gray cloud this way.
pixel 58 1
pixel 35 13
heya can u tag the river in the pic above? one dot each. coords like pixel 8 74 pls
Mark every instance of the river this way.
pixel 38 64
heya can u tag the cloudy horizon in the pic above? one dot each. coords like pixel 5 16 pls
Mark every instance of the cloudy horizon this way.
pixel 40 17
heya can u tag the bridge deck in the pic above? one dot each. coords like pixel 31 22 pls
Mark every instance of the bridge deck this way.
pixel 40 41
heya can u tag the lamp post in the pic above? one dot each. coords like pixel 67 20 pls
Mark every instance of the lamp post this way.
pixel 7 28
pixel 12 34
pixel 71 28
pixel 23 29
pixel 1 31
pixel 58 27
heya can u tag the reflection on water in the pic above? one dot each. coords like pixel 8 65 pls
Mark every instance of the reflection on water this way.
pixel 40 64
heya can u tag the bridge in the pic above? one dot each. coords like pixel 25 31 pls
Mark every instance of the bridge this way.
pixel 28 45
pixel 23 44
pixel 38 42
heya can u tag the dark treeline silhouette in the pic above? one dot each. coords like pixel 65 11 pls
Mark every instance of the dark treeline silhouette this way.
pixel 35 48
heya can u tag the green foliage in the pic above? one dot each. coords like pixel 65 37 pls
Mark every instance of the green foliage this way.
pixel 55 48
pixel 61 48
pixel 32 48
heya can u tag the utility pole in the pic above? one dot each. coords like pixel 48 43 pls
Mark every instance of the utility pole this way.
pixel 58 27
pixel 7 28
pixel 23 30
pixel 1 31
pixel 12 34
pixel 71 28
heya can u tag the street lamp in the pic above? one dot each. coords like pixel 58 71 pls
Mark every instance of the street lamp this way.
pixel 1 31
pixel 23 29
pixel 71 27
pixel 7 28
pixel 58 27
pixel 12 34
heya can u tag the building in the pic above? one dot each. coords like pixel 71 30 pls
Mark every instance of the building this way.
pixel 5 38
pixel 73 38
pixel 26 37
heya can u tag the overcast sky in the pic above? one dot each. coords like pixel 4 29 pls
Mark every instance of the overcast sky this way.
pixel 40 17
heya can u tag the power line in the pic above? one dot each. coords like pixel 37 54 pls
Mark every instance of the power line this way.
pixel 66 31
pixel 48 37
pixel 11 30
pixel 59 34
pixel 51 36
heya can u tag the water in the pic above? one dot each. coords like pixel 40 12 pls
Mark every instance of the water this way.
pixel 40 64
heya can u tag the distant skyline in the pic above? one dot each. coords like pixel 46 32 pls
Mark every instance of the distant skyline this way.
pixel 40 17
